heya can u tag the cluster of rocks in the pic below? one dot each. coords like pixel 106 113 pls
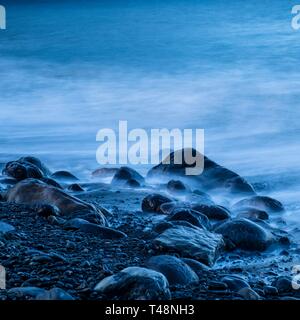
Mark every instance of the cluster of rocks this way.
pixel 169 248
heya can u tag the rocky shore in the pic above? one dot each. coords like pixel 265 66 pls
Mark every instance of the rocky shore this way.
pixel 160 237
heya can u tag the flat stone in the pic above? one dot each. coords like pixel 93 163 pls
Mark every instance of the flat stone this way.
pixel 192 243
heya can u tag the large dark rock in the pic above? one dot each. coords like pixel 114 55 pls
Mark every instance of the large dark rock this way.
pixel 191 242
pixel 152 202
pixel 26 167
pixel 195 218
pixel 124 174
pixel 176 271
pixel 64 176
pixel 22 170
pixel 213 177
pixel 38 163
pixel 260 202
pixel 177 187
pixel 235 283
pixel 135 283
pixel 103 173
pixel 245 234
pixel 212 212
pixel 34 193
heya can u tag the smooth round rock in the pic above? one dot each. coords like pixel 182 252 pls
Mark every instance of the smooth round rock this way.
pixel 136 283
pixel 176 271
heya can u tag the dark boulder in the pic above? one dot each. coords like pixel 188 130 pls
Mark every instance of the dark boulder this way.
pixel 245 234
pixel 175 270
pixel 38 163
pixel 22 170
pixel 213 177
pixel 124 174
pixel 75 187
pixel 177 187
pixel 152 202
pixel 260 202
pixel 47 210
pixel 64 176
pixel 213 212
pixel 104 172
pixel 235 283
pixel 195 218
pixel 132 183
pixel 135 283
pixel 34 192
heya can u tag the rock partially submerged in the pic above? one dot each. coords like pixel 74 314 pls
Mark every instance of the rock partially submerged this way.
pixel 26 167
pixel 195 243
pixel 64 176
pixel 33 192
pixel 264 203
pixel 212 212
pixel 153 202
pixel 176 271
pixel 214 176
pixel 125 174
pixel 136 283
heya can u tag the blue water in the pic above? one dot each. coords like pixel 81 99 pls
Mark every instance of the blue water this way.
pixel 70 68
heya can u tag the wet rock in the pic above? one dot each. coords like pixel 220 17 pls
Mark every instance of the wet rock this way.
pixel 75 187
pixel 104 172
pixel 191 216
pixel 270 291
pixel 169 207
pixel 135 283
pixel 175 270
pixel 38 163
pixel 245 234
pixel 235 283
pixel 162 226
pixel 34 193
pixel 46 210
pixel 152 202
pixel 249 294
pixel 22 292
pixel 54 294
pixel 212 212
pixel 51 182
pixel 64 176
pixel 85 226
pixel 124 174
pixel 197 266
pixel 22 170
pixel 195 243
pixel 260 202
pixel 252 214
pixel 214 176
pixel 177 187
pixel 283 284
pixel 132 183
pixel 5 227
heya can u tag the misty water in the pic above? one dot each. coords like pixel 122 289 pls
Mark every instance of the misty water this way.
pixel 70 68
